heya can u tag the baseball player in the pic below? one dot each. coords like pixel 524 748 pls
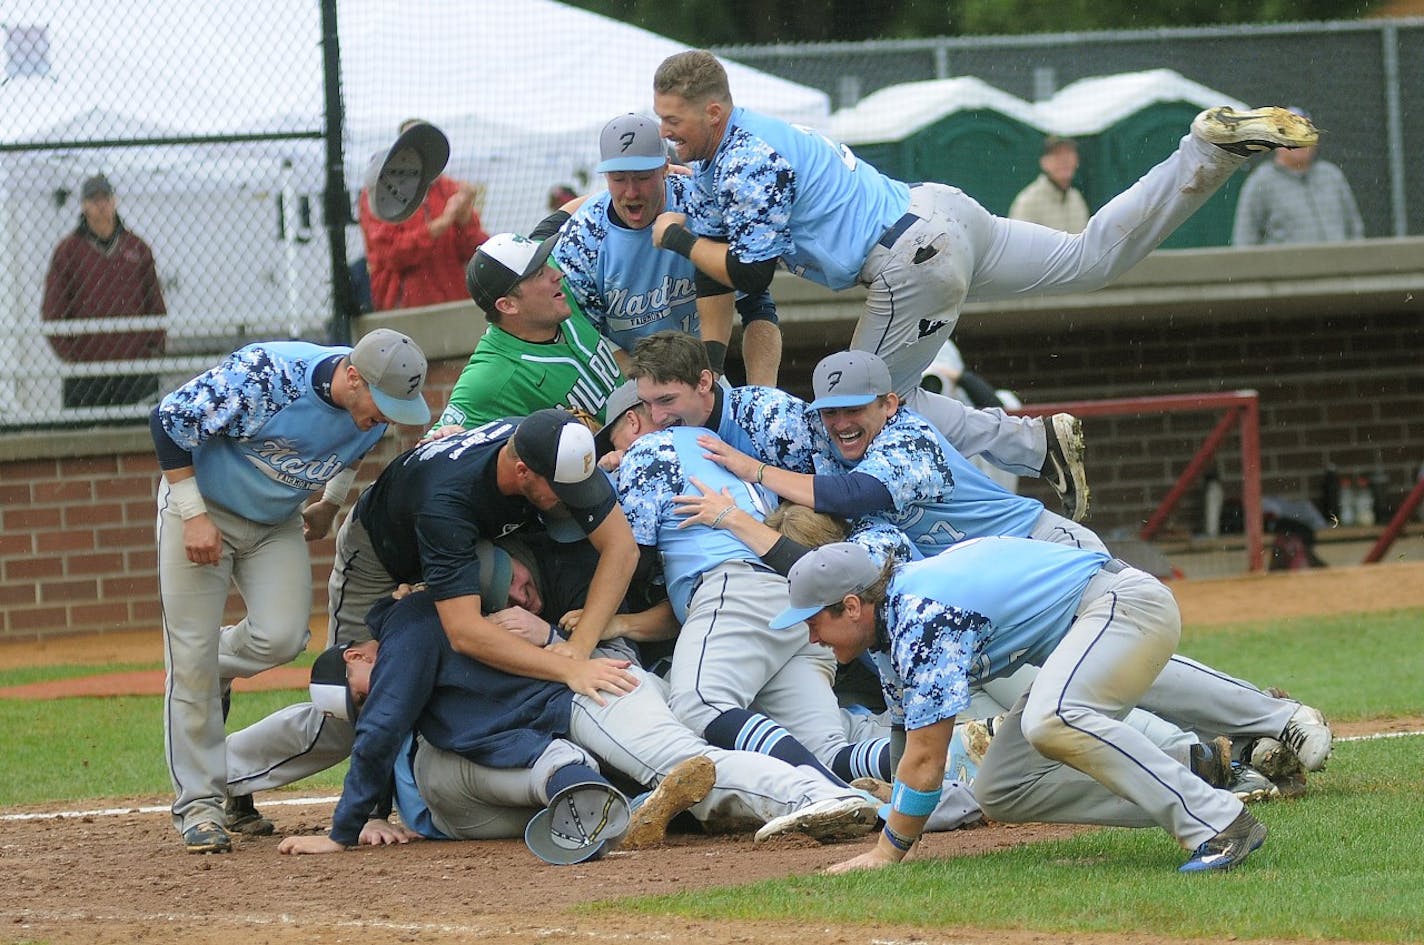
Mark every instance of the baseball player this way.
pixel 625 285
pixel 768 191
pixel 876 460
pixel 537 351
pixel 242 446
pixel 731 680
pixel 420 522
pixel 1100 633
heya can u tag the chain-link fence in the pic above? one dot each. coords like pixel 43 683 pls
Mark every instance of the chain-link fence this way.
pixel 178 178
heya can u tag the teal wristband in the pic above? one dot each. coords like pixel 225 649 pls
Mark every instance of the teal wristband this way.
pixel 912 803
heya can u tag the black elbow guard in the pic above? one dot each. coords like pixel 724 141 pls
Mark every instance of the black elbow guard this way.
pixel 750 278
pixel 708 286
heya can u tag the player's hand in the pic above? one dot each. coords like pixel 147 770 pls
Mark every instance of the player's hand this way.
pixel 310 845
pixel 729 458
pixel 662 222
pixel 440 432
pixel 522 623
pixel 317 519
pixel 682 169
pixel 610 461
pixel 872 859
pixel 202 540
pixel 589 677
pixel 702 509
pixel 569 621
pixel 381 832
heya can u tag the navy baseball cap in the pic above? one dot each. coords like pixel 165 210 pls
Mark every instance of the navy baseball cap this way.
pixel 394 368
pixel 556 446
pixel 501 263
pixel 330 692
pixel 824 577
pixel 398 178
pixel 496 569
pixel 849 379
pixel 630 143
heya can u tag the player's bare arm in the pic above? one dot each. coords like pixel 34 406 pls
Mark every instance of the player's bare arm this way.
pixel 921 769
pixel 647 626
pixel 710 256
pixel 617 559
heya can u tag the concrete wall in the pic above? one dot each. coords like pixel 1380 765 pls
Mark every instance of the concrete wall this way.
pixel 1332 338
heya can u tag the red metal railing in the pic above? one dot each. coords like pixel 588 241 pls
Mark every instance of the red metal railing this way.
pixel 1240 407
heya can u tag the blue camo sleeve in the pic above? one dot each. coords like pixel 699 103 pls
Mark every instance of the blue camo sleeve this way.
pixel 910 464
pixel 577 254
pixel 235 399
pixel 755 188
pixel 644 488
pixel 932 647
pixel 779 425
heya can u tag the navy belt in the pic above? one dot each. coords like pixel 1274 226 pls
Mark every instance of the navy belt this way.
pixel 897 230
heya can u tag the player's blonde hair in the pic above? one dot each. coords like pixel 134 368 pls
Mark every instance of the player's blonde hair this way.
pixel 694 75
pixel 806 526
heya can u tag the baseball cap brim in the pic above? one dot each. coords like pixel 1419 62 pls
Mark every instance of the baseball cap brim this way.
pixel 631 163
pixel 843 400
pixel 791 616
pixel 413 412
pixel 623 399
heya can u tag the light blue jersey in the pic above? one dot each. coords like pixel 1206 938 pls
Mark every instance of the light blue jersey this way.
pixel 973 613
pixel 655 469
pixel 940 497
pixel 626 286
pixel 262 439
pixel 778 190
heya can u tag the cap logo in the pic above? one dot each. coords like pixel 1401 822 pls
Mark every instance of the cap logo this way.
pixel 627 139
pixel 833 379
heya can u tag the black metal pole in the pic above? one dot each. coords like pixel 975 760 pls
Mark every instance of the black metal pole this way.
pixel 338 201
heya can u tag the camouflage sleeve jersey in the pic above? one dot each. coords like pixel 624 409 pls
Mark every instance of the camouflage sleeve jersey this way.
pixel 626 286
pixel 262 439
pixel 940 497
pixel 775 190
pixel 654 470
pixel 976 612
pixel 773 426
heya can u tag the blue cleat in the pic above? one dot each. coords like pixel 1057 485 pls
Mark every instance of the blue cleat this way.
pixel 1229 847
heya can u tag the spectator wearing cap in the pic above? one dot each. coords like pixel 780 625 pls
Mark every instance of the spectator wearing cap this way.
pixel 421 522
pixel 102 270
pixel 1296 198
pixel 537 351
pixel 627 286
pixel 1052 200
pixel 293 419
pixel 420 259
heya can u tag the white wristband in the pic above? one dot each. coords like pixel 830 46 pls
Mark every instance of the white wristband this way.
pixel 185 498
pixel 338 487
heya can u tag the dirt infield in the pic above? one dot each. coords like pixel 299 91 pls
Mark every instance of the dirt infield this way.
pixel 122 877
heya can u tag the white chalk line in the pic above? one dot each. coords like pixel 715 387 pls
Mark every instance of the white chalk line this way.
pixel 332 799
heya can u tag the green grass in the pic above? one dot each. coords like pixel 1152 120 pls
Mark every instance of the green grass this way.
pixel 1342 863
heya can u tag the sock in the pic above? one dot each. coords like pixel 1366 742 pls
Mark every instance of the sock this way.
pixel 572 774
pixel 743 730
pixel 867 759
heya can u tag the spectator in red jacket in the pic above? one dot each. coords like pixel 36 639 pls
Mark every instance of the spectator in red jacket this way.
pixel 421 260
pixel 101 270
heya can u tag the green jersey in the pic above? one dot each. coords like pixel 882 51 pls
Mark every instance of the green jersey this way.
pixel 510 377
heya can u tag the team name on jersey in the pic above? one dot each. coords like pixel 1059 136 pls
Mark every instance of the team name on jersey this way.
pixel 284 463
pixel 628 311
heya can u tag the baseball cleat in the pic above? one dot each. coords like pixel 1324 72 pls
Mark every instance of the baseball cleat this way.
pixel 837 818
pixel 687 783
pixel 1228 848
pixel 207 837
pixel 1063 463
pixel 244 818
pixel 1250 785
pixel 1309 736
pixel 1262 129
pixel 1277 762
pixel 1211 761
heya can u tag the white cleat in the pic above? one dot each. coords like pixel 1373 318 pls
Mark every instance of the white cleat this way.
pixel 838 818
pixel 1249 132
pixel 1309 736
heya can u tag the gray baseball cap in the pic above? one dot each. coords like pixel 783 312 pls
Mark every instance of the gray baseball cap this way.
pixel 630 143
pixel 849 379
pixel 825 577
pixel 580 823
pixel 394 367
pixel 398 178
pixel 622 400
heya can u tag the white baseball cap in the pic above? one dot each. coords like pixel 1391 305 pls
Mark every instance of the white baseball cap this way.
pixel 501 263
